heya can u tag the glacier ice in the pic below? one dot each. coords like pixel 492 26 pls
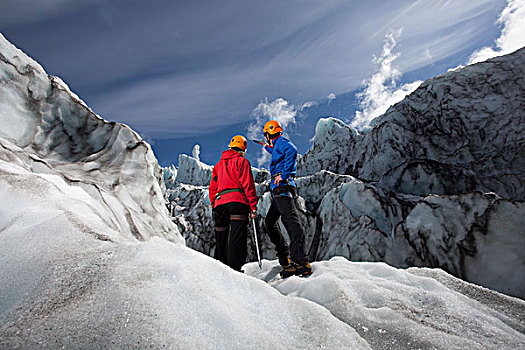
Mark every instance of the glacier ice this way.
pixel 193 172
pixel 458 132
pixel 46 129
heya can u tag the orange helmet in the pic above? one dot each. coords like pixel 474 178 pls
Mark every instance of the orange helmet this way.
pixel 239 141
pixel 272 127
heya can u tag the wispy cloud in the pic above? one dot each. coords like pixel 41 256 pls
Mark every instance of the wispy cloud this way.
pixel 381 90
pixel 512 36
pixel 331 96
pixel 308 104
pixel 21 12
pixel 280 110
pixel 186 64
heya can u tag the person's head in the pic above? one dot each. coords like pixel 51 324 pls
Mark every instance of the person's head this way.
pixel 272 129
pixel 238 143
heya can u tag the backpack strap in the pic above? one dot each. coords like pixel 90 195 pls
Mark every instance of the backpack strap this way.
pixel 218 195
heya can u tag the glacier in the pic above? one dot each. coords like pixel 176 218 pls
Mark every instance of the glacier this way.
pixel 92 257
pixel 476 236
pixel 49 135
pixel 459 132
pixel 437 181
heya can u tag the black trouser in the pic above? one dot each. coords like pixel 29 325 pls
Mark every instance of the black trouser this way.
pixel 283 205
pixel 231 231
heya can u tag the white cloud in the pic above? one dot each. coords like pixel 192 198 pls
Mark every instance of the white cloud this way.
pixel 512 36
pixel 308 105
pixel 279 110
pixel 381 90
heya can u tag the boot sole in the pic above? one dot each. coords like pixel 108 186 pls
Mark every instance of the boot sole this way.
pixel 304 274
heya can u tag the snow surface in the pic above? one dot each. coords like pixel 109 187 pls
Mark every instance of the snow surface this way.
pixel 65 288
pixel 406 309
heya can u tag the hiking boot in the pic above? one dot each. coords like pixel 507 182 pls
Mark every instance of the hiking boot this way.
pixel 303 269
pixel 289 270
pixel 284 261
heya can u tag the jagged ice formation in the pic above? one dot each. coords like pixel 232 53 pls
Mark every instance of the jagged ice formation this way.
pixel 438 181
pixel 459 132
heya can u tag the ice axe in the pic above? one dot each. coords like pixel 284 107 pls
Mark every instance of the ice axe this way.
pixel 256 244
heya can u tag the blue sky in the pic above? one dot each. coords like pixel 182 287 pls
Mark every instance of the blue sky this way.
pixel 185 69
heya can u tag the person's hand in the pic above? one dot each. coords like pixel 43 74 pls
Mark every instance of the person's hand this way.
pixel 253 214
pixel 277 179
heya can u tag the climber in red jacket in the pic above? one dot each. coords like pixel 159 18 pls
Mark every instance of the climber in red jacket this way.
pixel 234 200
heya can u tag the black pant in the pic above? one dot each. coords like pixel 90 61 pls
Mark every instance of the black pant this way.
pixel 231 231
pixel 283 205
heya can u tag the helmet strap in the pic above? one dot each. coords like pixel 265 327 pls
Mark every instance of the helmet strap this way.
pixel 238 150
pixel 269 136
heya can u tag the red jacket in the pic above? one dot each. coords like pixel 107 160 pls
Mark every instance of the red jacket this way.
pixel 233 171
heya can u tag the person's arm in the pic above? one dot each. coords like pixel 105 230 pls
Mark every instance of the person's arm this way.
pixel 268 149
pixel 290 161
pixel 247 183
pixel 213 187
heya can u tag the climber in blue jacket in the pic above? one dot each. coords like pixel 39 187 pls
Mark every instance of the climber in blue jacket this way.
pixel 283 168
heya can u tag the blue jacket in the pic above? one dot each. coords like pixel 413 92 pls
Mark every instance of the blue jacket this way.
pixel 284 161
